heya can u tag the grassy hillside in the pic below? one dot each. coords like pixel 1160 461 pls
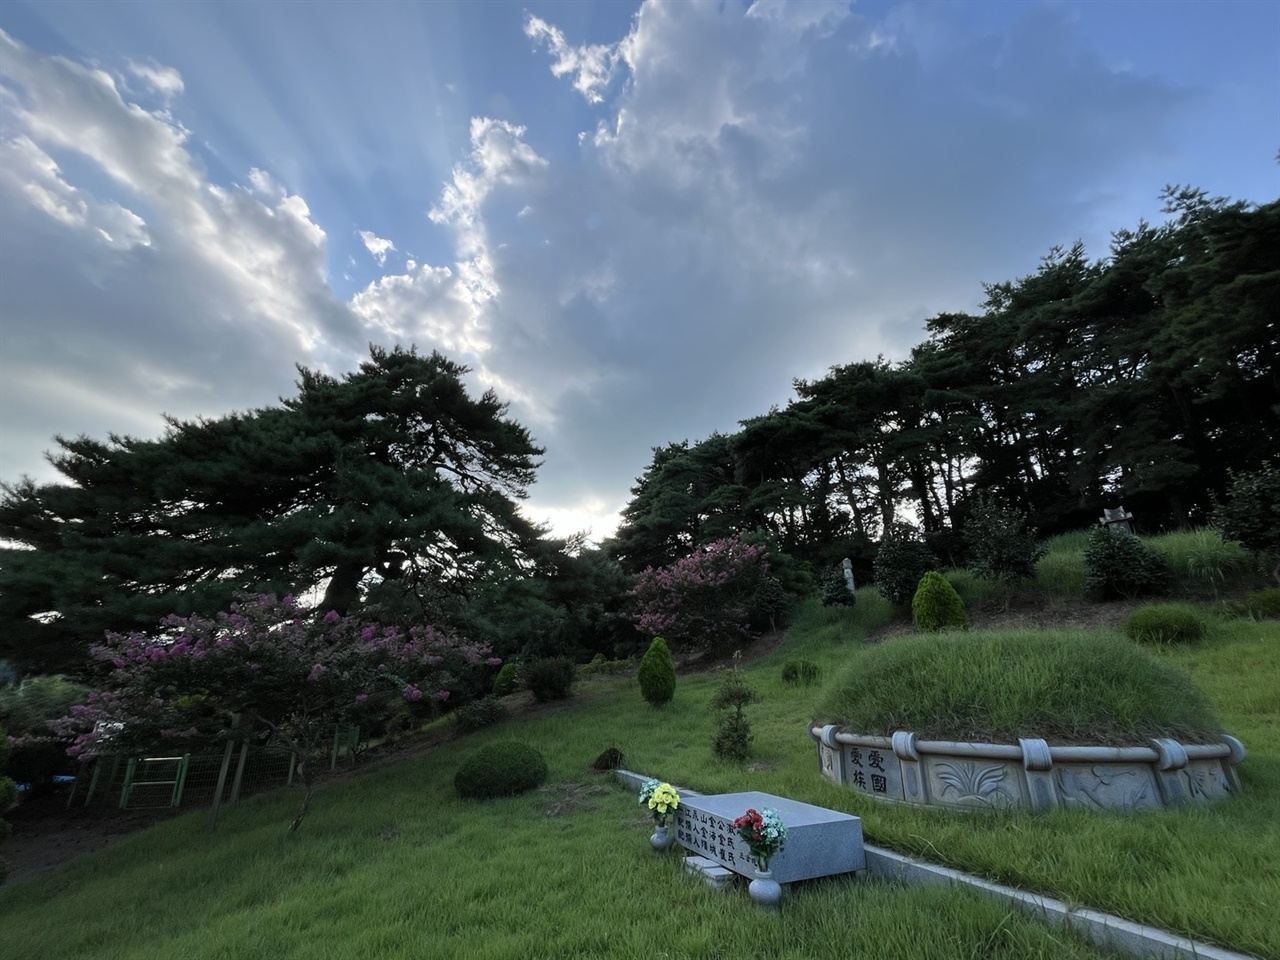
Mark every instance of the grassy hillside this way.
pixel 391 863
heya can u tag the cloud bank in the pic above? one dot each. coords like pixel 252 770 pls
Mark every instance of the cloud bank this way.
pixel 763 191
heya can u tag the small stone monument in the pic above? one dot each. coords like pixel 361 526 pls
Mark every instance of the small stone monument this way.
pixel 1117 520
pixel 848 575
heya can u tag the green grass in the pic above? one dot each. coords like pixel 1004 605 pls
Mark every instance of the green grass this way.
pixel 392 864
pixel 1060 572
pixel 1065 686
pixel 1201 561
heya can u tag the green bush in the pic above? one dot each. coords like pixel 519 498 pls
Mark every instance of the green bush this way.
pixel 507 681
pixel 478 714
pixel 1119 565
pixel 936 605
pixel 500 770
pixel 1251 514
pixel 1067 686
pixel 550 679
pixel 1165 623
pixel 1263 604
pixel 802 671
pixel 903 558
pixel 657 674
pixel 1000 546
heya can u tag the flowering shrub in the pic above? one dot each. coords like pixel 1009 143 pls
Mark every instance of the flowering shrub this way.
pixel 764 833
pixel 705 599
pixel 269 660
pixel 661 799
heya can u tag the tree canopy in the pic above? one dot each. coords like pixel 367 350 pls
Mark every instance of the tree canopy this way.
pixel 1147 377
pixel 391 480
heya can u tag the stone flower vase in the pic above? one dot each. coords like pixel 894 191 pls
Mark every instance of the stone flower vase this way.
pixel 765 890
pixel 661 839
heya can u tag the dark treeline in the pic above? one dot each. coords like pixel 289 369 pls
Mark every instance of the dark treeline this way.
pixel 1146 377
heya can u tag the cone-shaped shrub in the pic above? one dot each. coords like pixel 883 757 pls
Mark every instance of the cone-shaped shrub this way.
pixel 936 605
pixel 657 673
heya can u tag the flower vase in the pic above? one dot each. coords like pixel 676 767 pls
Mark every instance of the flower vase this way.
pixel 661 838
pixel 765 890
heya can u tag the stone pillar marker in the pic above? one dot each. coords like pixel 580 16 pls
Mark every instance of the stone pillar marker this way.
pixel 819 842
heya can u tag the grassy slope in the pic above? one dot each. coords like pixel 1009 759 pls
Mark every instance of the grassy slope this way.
pixel 392 864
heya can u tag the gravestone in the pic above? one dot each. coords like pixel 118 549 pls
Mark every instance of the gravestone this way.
pixel 819 842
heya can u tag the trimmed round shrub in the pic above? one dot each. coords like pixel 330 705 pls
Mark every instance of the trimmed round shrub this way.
pixel 1263 604
pixel 657 674
pixel 500 770
pixel 1067 686
pixel 507 681
pixel 804 672
pixel 550 679
pixel 1120 566
pixel 1165 623
pixel 479 714
pixel 936 605
pixel 903 558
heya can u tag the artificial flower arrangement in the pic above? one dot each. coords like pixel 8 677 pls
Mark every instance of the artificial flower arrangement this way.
pixel 661 799
pixel 764 833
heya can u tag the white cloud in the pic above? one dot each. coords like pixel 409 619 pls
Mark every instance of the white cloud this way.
pixel 376 245
pixel 165 81
pixel 591 65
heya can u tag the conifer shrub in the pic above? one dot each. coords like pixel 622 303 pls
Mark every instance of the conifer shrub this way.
pixel 802 672
pixel 657 674
pixel 507 681
pixel 936 605
pixel 732 739
pixel 478 714
pixel 1165 623
pixel 733 736
pixel 500 769
pixel 903 558
pixel 1120 566
pixel 550 679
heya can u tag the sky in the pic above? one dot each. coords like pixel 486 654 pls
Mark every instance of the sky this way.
pixel 637 223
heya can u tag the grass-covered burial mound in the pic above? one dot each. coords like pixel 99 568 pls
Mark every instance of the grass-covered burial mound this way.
pixel 1066 687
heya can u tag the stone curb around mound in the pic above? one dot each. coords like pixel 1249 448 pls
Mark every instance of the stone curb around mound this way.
pixel 1100 929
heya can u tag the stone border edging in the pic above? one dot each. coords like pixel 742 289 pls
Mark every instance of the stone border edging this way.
pixel 1097 927
pixel 1031 774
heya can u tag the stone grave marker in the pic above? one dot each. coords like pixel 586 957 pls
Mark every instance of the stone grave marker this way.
pixel 819 842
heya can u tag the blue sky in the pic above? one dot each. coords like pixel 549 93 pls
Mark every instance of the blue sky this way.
pixel 638 223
